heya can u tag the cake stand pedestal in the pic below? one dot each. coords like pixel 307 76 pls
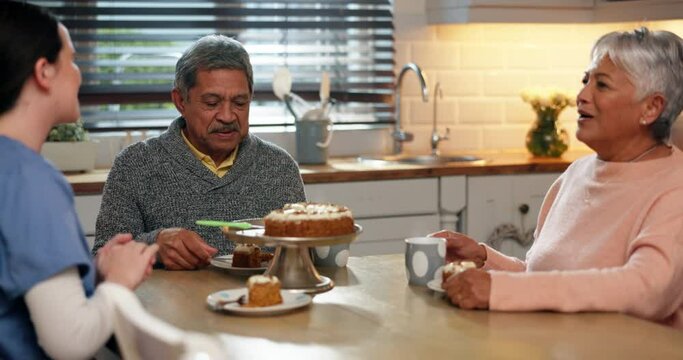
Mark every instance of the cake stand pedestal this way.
pixel 292 262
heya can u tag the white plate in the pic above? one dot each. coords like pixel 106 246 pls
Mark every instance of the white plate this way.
pixel 290 300
pixel 435 285
pixel 225 262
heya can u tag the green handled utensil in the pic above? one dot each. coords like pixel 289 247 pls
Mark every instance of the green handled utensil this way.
pixel 236 225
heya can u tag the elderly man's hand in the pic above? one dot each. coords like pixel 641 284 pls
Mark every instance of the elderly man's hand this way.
pixel 181 249
pixel 460 247
pixel 470 289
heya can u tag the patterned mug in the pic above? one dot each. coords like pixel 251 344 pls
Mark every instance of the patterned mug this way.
pixel 330 256
pixel 424 256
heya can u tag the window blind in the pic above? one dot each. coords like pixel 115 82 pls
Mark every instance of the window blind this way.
pixel 127 51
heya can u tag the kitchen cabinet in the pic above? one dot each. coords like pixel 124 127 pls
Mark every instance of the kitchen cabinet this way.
pixel 452 202
pixel 390 210
pixel 637 10
pixel 550 11
pixel 508 11
pixel 496 200
pixel 87 208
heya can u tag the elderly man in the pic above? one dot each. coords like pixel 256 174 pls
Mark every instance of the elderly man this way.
pixel 205 166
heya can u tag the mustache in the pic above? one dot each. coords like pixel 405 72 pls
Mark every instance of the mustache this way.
pixel 223 127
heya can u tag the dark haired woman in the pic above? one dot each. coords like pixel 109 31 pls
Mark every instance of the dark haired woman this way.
pixel 49 302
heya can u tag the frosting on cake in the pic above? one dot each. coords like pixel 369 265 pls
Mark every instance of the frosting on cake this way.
pixel 262 279
pixel 246 248
pixel 310 211
pixel 309 220
pixel 457 267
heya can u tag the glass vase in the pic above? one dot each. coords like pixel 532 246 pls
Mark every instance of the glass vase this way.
pixel 545 139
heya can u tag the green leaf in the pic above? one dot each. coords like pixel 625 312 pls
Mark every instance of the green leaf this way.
pixel 68 132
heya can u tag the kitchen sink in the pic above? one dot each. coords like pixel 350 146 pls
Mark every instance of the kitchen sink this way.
pixel 419 159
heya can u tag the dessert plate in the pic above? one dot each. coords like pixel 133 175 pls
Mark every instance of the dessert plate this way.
pixel 291 300
pixel 435 285
pixel 225 262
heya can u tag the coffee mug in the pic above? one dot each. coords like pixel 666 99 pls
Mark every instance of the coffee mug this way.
pixel 424 256
pixel 331 256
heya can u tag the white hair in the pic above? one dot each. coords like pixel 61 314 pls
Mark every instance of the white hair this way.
pixel 653 61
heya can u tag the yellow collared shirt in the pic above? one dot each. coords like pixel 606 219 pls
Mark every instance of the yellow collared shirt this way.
pixel 219 170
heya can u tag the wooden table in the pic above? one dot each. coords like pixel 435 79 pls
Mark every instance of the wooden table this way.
pixel 373 314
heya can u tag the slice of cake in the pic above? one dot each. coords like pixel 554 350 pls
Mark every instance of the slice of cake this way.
pixel 456 267
pixel 266 257
pixel 246 256
pixel 309 220
pixel 263 291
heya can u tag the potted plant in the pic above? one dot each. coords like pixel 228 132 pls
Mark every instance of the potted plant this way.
pixel 69 149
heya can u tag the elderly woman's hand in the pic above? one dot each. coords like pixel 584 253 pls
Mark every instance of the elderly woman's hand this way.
pixel 470 289
pixel 460 247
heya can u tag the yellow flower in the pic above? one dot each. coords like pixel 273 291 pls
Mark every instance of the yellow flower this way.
pixel 544 99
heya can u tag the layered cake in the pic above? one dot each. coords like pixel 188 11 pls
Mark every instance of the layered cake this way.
pixel 249 256
pixel 309 220
pixel 263 291
pixel 246 256
pixel 456 267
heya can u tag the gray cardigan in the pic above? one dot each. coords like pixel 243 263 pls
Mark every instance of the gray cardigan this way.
pixel 158 184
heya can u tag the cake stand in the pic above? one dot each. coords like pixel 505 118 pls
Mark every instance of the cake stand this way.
pixel 292 262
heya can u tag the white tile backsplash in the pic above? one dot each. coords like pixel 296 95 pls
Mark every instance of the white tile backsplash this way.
pixel 483 67
pixel 480 110
pixel 435 56
pixel 483 56
pixel 504 83
pixel 460 83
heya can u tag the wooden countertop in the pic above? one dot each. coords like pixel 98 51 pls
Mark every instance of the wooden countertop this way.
pixel 373 314
pixel 348 169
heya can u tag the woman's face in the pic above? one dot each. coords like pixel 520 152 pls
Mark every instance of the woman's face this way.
pixel 68 81
pixel 609 114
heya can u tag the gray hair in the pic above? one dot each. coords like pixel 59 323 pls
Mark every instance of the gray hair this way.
pixel 653 61
pixel 211 52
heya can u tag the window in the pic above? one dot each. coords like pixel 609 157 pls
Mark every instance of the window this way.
pixel 127 52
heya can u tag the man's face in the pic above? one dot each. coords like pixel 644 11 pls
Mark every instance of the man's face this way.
pixel 216 111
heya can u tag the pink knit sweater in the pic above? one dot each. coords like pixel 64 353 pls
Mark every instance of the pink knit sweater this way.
pixel 609 238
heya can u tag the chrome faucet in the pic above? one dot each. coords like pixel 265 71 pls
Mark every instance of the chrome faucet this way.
pixel 436 138
pixel 399 135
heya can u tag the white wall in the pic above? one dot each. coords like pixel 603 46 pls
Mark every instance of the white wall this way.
pixel 482 69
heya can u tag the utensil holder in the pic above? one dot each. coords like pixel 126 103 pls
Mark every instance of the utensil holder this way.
pixel 312 140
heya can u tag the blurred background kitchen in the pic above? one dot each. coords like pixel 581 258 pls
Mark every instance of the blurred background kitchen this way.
pixel 482 54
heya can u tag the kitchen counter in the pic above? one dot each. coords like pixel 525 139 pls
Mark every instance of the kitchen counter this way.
pixel 349 169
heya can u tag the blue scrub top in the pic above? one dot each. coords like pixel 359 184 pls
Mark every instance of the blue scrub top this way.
pixel 40 236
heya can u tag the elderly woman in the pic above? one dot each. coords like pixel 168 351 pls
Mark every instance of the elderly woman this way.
pixel 610 230
pixel 49 302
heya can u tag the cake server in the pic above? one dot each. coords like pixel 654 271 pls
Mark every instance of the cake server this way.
pixel 236 225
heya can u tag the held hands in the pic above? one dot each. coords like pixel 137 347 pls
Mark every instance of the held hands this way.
pixel 124 261
pixel 470 289
pixel 182 249
pixel 460 247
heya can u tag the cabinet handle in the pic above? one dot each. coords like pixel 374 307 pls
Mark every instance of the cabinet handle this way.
pixel 524 209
